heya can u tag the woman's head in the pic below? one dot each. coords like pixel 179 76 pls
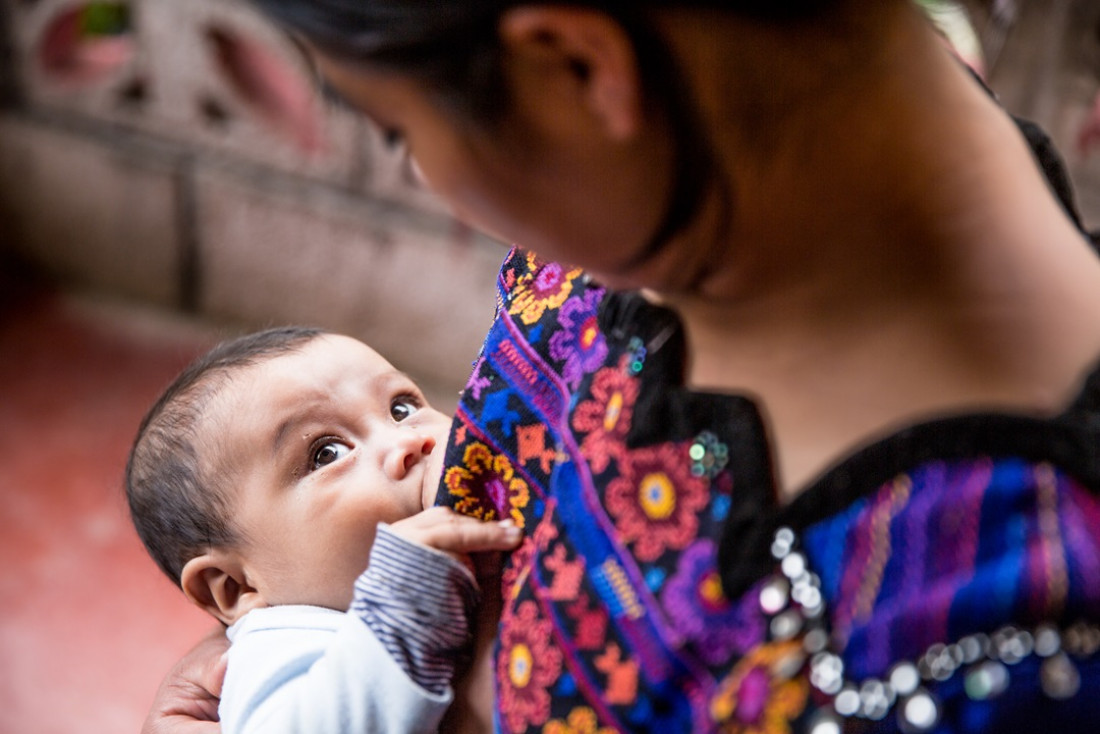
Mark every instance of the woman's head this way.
pixel 455 47
pixel 572 129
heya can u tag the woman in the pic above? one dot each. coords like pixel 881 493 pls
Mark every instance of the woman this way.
pixel 823 457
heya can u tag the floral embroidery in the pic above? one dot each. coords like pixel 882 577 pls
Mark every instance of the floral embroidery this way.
pixel 579 344
pixel 696 606
pixel 761 695
pixel 527 665
pixel 655 501
pixel 486 487
pixel 606 418
pixel 581 720
pixel 543 288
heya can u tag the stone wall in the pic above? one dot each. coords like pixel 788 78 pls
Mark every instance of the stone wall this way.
pixel 139 158
pixel 139 161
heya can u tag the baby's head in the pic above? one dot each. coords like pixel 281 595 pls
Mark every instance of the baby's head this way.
pixel 259 476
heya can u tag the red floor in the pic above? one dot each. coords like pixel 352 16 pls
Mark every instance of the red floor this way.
pixel 87 623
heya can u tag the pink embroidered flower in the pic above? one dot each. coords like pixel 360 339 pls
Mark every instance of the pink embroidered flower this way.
pixel 527 666
pixel 579 343
pixel 487 485
pixel 656 500
pixel 606 417
pixel 545 287
pixel 759 696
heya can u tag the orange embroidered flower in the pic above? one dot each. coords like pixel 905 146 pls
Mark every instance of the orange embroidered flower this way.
pixel 581 720
pixel 763 693
pixel 546 286
pixel 487 486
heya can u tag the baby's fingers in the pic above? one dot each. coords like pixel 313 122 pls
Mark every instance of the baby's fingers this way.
pixel 446 530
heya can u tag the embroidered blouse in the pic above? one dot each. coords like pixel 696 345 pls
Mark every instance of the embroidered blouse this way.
pixel 945 579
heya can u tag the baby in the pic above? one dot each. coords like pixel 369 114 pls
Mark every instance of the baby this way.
pixel 262 482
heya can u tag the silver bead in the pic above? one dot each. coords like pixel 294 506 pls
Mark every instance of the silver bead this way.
pixel 783 543
pixel 815 640
pixel 1011 645
pixel 875 699
pixel 808 596
pixel 793 565
pixel 824 723
pixel 827 674
pixel 785 625
pixel 847 702
pixel 939 662
pixel 986 680
pixel 904 678
pixel 1074 640
pixel 1059 677
pixel 919 712
pixel 774 595
pixel 974 647
pixel 1088 639
pixel 1047 640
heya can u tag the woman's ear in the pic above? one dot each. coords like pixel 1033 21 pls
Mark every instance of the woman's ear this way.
pixel 588 48
pixel 216 582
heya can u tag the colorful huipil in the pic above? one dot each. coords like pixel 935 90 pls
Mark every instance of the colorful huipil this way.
pixel 944 579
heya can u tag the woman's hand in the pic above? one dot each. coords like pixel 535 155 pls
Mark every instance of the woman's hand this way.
pixel 187 700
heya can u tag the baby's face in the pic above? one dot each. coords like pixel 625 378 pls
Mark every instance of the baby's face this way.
pixel 316 447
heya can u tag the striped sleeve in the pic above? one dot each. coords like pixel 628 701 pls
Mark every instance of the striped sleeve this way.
pixel 419 603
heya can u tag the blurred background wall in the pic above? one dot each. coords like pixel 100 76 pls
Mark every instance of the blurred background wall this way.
pixel 139 157
pixel 154 197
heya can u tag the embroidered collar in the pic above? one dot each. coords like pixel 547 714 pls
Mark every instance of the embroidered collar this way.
pixel 667 410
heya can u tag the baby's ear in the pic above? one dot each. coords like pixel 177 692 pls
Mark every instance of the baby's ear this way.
pixel 216 582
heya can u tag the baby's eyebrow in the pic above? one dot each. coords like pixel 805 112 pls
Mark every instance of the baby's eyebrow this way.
pixel 283 432
pixel 386 378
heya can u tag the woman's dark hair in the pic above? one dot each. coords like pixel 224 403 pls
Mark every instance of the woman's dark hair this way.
pixel 453 47
pixel 178 511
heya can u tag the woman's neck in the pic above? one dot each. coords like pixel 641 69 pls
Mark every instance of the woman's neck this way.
pixel 903 258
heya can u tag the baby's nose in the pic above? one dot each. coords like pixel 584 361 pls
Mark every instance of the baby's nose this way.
pixel 409 449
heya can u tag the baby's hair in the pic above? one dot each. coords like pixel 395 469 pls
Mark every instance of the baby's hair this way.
pixel 178 511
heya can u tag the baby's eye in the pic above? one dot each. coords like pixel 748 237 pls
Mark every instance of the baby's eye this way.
pixel 327 453
pixel 402 407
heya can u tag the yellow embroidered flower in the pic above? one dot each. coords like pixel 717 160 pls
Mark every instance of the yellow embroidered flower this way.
pixel 581 720
pixel 763 693
pixel 543 288
pixel 487 486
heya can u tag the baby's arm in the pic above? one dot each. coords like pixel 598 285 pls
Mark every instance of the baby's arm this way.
pixel 387 665
pixel 419 595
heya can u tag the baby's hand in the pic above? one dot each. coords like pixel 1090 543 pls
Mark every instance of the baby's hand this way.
pixel 446 530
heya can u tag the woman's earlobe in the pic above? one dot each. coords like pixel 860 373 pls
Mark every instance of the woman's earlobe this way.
pixel 590 46
pixel 216 582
